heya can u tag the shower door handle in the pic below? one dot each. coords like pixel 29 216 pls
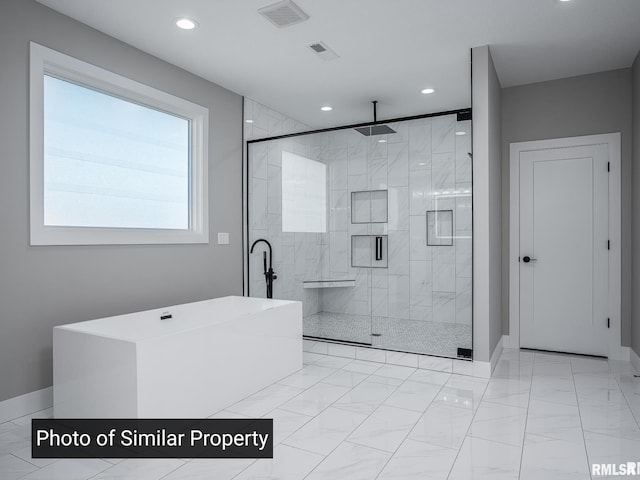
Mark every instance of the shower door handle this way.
pixel 378 248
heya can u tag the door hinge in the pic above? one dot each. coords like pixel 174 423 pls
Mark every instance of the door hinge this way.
pixel 608 323
pixel 608 166
pixel 608 244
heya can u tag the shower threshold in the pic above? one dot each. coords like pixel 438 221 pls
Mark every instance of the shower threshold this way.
pixel 336 340
pixel 388 333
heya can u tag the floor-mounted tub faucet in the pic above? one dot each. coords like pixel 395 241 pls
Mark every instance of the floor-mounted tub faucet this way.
pixel 269 274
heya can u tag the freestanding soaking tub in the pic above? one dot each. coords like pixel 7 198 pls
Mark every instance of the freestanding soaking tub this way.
pixel 200 358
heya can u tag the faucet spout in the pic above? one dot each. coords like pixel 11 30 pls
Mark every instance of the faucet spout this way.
pixel 269 274
pixel 268 245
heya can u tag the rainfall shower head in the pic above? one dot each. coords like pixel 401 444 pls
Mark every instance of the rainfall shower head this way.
pixel 375 129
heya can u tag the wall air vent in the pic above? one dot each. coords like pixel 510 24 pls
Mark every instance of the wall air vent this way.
pixel 323 51
pixel 283 14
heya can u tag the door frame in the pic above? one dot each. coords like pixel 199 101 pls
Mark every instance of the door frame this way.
pixel 612 140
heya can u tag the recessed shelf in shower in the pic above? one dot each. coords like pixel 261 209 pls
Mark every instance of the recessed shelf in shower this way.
pixel 369 206
pixel 440 228
pixel 369 251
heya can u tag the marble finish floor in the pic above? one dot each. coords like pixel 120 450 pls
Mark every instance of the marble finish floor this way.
pixel 540 416
pixel 415 336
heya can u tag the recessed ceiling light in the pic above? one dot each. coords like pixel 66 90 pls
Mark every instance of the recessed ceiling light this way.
pixel 427 91
pixel 382 140
pixel 565 0
pixel 186 23
pixel 326 108
pixel 248 121
pixel 461 133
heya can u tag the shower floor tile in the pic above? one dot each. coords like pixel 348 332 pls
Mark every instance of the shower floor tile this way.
pixel 400 334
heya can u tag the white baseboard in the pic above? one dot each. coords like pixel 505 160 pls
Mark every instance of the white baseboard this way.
pixel 17 407
pixel 620 353
pixel 635 360
pixel 509 342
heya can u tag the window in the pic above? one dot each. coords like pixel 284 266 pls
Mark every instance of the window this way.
pixel 304 194
pixel 113 161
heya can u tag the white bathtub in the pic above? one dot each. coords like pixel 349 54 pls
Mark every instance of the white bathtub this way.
pixel 209 355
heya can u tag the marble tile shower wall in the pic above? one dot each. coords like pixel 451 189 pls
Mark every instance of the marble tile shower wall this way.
pixel 424 166
pixel 295 255
pixel 262 122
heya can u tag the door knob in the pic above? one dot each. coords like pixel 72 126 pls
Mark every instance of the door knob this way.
pixel 527 259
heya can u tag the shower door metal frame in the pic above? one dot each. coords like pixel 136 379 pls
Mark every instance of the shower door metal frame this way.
pixel 462 114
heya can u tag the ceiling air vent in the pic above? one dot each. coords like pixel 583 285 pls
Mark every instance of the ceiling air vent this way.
pixel 283 14
pixel 317 47
pixel 323 51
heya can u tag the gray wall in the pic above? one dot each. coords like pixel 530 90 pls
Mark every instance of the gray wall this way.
pixel 635 293
pixel 487 205
pixel 45 286
pixel 495 205
pixel 584 105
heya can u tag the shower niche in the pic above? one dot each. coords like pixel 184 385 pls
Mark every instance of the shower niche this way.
pixel 372 232
pixel 367 207
pixel 370 206
pixel 369 251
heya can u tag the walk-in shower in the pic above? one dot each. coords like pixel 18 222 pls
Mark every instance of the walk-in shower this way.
pixel 372 232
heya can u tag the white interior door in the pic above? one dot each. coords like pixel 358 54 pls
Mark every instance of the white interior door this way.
pixel 564 272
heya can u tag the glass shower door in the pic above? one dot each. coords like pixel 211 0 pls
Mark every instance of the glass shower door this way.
pixel 372 233
pixel 343 313
pixel 299 202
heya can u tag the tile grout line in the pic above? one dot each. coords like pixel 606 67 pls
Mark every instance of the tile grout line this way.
pixel 624 395
pixel 410 430
pixel 467 432
pixel 526 420
pixel 323 410
pixel 25 460
pixel 302 389
pixel 243 470
pixel 279 406
pixel 345 440
pixel 584 441
pixel 368 416
pixel 311 419
pixel 22 459
pixel 159 478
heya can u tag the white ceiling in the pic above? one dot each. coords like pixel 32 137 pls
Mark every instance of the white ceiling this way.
pixel 389 49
